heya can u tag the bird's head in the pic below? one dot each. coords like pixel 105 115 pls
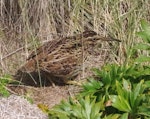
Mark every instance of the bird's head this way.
pixel 92 36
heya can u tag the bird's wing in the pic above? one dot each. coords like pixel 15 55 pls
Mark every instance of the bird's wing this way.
pixel 44 50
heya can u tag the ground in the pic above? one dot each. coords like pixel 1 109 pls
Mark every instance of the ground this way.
pixel 49 96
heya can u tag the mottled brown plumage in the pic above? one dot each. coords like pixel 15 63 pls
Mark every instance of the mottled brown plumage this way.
pixel 61 59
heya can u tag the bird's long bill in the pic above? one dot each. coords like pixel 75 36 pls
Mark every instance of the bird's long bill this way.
pixel 109 38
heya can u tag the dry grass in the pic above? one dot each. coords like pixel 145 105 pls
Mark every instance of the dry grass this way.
pixel 16 107
pixel 26 23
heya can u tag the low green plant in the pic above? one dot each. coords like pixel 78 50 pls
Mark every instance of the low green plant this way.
pixel 119 92
pixel 130 100
pixel 28 97
pixel 4 80
pixel 145 45
pixel 92 87
pixel 83 108
pixel 112 72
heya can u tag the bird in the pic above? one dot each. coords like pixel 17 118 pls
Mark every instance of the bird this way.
pixel 60 60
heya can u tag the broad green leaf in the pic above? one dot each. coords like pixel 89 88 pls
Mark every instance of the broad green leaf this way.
pixel 88 107
pixel 138 89
pixel 96 108
pixel 120 103
pixel 124 116
pixel 112 116
pixel 122 90
pixel 134 95
pixel 91 87
pixel 119 89
pixel 54 113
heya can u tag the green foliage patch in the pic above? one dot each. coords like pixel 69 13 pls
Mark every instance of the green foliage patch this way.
pixel 3 83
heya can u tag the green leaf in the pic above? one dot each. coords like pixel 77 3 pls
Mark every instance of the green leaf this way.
pixel 112 116
pixel 143 58
pixel 87 107
pixel 120 103
pixel 134 95
pixel 145 34
pixel 142 46
pixel 124 116
pixel 95 113
pixel 91 87
pixel 138 89
pixel 83 108
pixel 147 84
pixel 97 72
pixel 144 110
pixel 145 26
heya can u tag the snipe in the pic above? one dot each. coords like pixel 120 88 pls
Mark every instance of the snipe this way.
pixel 59 60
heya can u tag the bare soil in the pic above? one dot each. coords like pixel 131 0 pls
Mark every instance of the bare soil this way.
pixel 48 96
pixel 24 100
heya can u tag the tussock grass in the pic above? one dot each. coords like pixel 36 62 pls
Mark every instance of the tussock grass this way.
pixel 26 23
